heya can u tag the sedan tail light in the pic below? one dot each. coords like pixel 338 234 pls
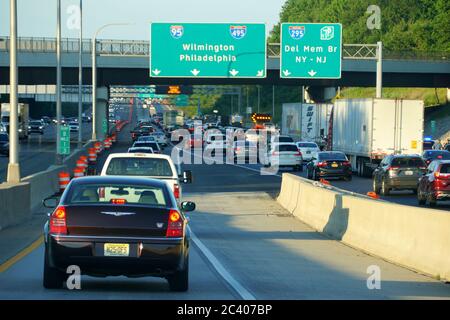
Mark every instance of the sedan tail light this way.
pixel 346 164
pixel 176 191
pixel 275 153
pixel 298 154
pixel 322 164
pixel 393 168
pixel 58 222
pixel 175 224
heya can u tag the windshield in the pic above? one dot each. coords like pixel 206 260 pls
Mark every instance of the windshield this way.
pixel 286 148
pixel 150 167
pixel 445 155
pixel 307 145
pixel 332 156
pixel 407 162
pixel 146 144
pixel 140 150
pixel 117 194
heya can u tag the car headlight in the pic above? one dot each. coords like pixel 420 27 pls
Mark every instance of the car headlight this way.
pixel 20 130
pixel 41 127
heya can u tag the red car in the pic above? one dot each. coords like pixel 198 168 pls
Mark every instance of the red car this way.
pixel 435 184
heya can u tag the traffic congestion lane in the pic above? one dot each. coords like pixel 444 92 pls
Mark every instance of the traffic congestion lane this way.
pixel 24 281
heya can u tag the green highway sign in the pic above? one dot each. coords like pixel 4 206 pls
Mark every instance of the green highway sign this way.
pixel 311 50
pixel 64 140
pixel 181 100
pixel 212 50
pixel 105 126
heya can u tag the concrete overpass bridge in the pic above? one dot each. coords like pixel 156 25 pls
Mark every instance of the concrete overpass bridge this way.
pixel 127 63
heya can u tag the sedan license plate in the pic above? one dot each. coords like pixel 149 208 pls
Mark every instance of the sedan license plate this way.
pixel 117 249
pixel 334 165
pixel 409 173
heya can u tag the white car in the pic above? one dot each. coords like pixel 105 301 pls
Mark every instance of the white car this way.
pixel 74 126
pixel 281 139
pixel 308 149
pixel 215 142
pixel 145 165
pixel 160 137
pixel 149 144
pixel 140 150
pixel 285 155
pixel 146 139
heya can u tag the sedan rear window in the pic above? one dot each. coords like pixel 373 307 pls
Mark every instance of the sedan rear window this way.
pixel 149 167
pixel 117 194
pixel 307 145
pixel 285 139
pixel 146 144
pixel 408 162
pixel 445 155
pixel 332 156
pixel 286 148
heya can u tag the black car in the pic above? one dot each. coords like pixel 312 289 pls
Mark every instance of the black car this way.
pixel 4 143
pixel 113 226
pixel 329 164
pixel 141 131
pixel 431 155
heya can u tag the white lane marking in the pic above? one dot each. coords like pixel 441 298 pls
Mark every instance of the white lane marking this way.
pixel 220 269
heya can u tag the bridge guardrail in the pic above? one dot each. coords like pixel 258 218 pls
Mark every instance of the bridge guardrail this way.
pixel 140 48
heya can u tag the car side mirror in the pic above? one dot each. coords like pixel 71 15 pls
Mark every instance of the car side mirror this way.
pixel 50 202
pixel 187 176
pixel 188 206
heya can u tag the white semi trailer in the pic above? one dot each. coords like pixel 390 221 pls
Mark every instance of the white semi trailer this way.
pixel 367 130
pixel 306 121
pixel 23 118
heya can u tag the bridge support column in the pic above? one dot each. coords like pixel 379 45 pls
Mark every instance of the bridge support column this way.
pixel 101 112
pixel 320 94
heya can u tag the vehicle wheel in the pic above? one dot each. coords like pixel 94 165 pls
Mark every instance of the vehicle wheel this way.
pixel 308 174
pixel 414 191
pixel 314 175
pixel 300 168
pixel 420 199
pixel 375 186
pixel 179 281
pixel 432 201
pixel 53 278
pixel 384 188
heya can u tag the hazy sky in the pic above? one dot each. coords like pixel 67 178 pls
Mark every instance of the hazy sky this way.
pixel 37 18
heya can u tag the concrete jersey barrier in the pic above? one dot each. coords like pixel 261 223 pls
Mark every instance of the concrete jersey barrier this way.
pixel 417 238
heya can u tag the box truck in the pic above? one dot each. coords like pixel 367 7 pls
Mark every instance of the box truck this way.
pixel 306 121
pixel 23 118
pixel 367 130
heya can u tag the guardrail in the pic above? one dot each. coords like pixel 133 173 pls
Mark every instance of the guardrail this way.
pixel 140 48
pixel 417 238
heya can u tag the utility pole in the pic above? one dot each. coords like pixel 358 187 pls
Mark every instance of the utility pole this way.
pixel 13 165
pixel 58 83
pixel 80 79
pixel 259 97
pixel 379 69
pixel 273 101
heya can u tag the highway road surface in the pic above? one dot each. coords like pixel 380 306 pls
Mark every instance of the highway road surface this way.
pixel 244 246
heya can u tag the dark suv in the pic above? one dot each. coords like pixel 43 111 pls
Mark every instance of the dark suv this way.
pixel 4 143
pixel 398 172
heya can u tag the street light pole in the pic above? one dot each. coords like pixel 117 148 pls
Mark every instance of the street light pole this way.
pixel 379 69
pixel 80 79
pixel 58 83
pixel 13 165
pixel 94 75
